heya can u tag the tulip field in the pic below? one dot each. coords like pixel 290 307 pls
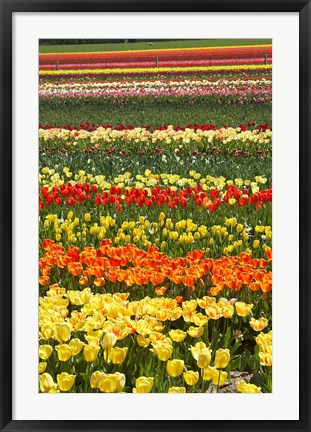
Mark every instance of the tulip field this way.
pixel 155 221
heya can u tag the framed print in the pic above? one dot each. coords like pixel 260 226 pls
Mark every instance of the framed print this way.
pixel 142 293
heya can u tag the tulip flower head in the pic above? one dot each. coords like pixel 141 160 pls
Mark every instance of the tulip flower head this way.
pixel 191 377
pixel 143 384
pixel 222 358
pixel 65 381
pixel 175 367
pixel 244 387
pixel 47 384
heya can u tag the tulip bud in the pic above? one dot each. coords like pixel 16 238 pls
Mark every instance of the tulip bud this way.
pixel 195 350
pixel 109 340
pixel 143 385
pixel 95 379
pixel 204 358
pixel 117 355
pixel 45 351
pixel 76 346
pixel 176 390
pixel 65 381
pixel 90 352
pixel 120 381
pixel 85 295
pixel 112 383
pixel 207 373
pixel 219 377
pixel 191 377
pixel 195 332
pixel 244 387
pixel 47 331
pixel 87 217
pixel 64 352
pixel 175 367
pixel 222 358
pixel 177 335
pixel 265 359
pixel 227 311
pixel 42 367
pixel 62 332
pixel 142 341
pixel 107 383
pixel 243 309
pixel 164 351
pixel 47 384
pixel 258 325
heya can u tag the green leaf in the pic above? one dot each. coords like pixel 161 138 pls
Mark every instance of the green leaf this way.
pixel 227 337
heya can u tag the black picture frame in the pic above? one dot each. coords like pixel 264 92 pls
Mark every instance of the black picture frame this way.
pixel 10 7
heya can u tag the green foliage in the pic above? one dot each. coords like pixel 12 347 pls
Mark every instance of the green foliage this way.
pixel 187 43
pixel 156 114
pixel 100 163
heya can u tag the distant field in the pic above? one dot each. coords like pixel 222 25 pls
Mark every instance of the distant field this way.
pixel 155 45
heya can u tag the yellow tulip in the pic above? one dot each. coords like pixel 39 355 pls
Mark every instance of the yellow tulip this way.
pixel 195 332
pixel 111 383
pixel 95 379
pixel 90 352
pixel 65 381
pixel 120 381
pixel 108 383
pixel 142 327
pixel 204 358
pixel 85 295
pixel 64 352
pixel 117 355
pixel 76 346
pixel 176 390
pixel 258 325
pixel 142 341
pixel 244 387
pixel 62 332
pixel 47 384
pixel 227 311
pixel 266 348
pixel 45 351
pixel 189 306
pixel 47 331
pixel 143 384
pixel 200 320
pixel 213 312
pixel 87 217
pixel 191 377
pixel 42 367
pixel 219 377
pixel 177 335
pixel 265 359
pixel 243 309
pixel 207 373
pixel 175 314
pixel 196 349
pixel 163 351
pixel 239 228
pixel 109 340
pixel 175 367
pixel 163 315
pixel 222 358
pixel 264 338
